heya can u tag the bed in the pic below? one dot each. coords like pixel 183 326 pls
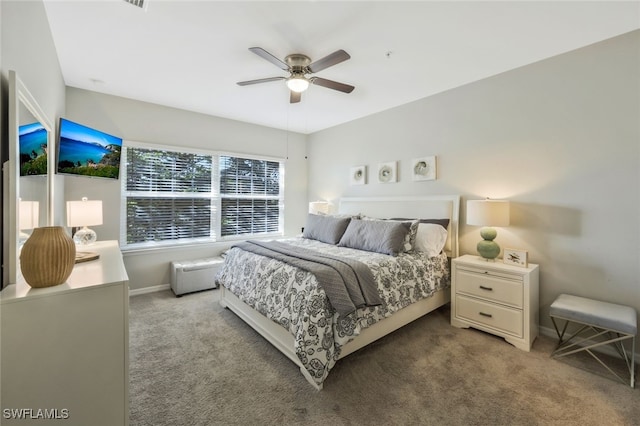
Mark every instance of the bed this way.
pixel 286 304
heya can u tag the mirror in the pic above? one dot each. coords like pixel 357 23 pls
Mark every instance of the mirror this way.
pixel 33 153
pixel 30 174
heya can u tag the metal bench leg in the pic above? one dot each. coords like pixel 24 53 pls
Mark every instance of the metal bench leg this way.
pixel 633 362
pixel 581 343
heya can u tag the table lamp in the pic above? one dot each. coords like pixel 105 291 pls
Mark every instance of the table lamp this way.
pixel 83 214
pixel 319 207
pixel 488 213
pixel 29 217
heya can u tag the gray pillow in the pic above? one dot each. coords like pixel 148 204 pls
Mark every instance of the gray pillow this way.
pixel 327 229
pixel 373 235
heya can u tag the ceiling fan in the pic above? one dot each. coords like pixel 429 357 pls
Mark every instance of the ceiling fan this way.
pixel 299 66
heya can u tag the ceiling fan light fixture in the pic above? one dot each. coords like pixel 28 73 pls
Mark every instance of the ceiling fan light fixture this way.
pixel 298 66
pixel 297 83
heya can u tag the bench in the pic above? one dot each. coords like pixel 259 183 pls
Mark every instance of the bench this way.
pixel 608 323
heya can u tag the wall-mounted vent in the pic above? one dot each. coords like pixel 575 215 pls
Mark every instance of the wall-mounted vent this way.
pixel 142 4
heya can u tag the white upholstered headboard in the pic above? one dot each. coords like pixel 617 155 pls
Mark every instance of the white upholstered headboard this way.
pixel 416 207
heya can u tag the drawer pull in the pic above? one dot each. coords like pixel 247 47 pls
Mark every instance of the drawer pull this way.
pixel 486 288
pixel 486 315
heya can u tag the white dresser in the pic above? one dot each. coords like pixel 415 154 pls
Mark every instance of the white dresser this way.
pixel 497 298
pixel 65 349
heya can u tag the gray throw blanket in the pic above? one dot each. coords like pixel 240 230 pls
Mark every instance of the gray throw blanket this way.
pixel 348 283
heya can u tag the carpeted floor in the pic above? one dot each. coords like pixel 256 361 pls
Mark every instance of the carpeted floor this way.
pixel 194 363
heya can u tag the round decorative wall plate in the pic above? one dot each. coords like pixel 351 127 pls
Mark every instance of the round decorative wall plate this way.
pixel 358 175
pixel 421 168
pixel 385 174
pixel 424 168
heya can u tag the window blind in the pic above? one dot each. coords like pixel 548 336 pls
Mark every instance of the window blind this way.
pixel 169 196
pixel 166 171
pixel 251 193
pixel 173 196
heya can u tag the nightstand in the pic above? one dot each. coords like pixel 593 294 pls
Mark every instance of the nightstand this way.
pixel 497 298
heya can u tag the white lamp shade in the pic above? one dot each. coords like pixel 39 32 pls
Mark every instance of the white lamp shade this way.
pixel 84 213
pixel 319 207
pixel 488 212
pixel 29 214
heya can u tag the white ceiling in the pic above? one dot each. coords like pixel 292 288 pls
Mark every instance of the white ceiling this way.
pixel 190 54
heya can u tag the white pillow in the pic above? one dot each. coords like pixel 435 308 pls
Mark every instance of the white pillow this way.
pixel 430 239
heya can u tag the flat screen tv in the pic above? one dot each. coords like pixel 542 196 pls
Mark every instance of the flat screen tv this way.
pixel 88 152
pixel 33 149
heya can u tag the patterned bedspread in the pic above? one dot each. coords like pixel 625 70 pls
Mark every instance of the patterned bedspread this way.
pixel 292 297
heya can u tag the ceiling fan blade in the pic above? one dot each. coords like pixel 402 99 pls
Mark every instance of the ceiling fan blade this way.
pixel 295 97
pixel 346 88
pixel 260 80
pixel 269 57
pixel 329 60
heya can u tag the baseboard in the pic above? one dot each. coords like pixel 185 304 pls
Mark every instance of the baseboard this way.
pixel 605 349
pixel 145 290
pixel 548 332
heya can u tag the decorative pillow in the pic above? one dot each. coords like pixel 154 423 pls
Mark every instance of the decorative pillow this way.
pixel 430 239
pixel 327 229
pixel 442 222
pixel 379 236
pixel 409 239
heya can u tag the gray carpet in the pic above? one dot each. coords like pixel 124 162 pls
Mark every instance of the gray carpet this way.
pixel 195 363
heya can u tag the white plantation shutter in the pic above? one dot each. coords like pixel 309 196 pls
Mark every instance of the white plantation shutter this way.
pixel 171 196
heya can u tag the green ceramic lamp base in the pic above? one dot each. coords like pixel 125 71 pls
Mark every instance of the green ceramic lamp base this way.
pixel 488 248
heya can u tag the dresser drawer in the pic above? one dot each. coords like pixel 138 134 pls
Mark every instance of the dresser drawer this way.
pixel 502 289
pixel 491 315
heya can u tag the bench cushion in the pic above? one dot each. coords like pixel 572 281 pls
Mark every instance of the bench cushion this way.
pixel 593 312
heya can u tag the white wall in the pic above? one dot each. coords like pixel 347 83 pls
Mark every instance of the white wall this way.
pixel 559 138
pixel 26 46
pixel 28 49
pixel 145 122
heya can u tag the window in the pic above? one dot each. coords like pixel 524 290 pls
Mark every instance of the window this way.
pixel 172 196
pixel 250 192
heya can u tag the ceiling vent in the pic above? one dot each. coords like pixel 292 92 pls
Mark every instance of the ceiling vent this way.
pixel 142 4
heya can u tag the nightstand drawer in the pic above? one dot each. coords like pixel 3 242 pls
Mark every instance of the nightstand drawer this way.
pixel 490 287
pixel 491 315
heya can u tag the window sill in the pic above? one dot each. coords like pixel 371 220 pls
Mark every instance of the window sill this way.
pixel 222 243
pixel 160 247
